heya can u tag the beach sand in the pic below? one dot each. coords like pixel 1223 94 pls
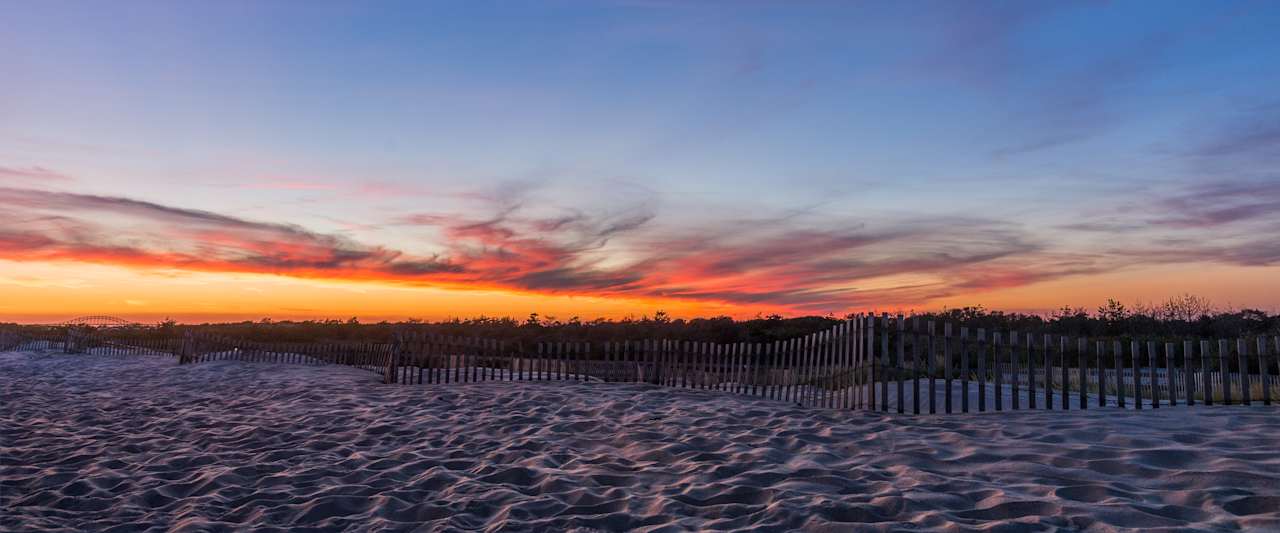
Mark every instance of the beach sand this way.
pixel 95 443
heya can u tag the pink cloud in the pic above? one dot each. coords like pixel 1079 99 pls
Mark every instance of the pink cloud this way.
pixel 33 173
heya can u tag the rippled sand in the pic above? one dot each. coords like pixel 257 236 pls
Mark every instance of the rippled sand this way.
pixel 90 443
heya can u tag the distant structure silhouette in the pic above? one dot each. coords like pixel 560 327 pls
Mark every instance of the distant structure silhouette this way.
pixel 98 321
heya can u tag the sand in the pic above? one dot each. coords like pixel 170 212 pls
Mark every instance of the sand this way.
pixel 94 443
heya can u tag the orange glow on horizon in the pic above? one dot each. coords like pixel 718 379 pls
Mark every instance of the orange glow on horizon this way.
pixel 43 292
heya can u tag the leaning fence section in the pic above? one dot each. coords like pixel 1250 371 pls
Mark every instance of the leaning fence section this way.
pixel 204 348
pixel 821 369
pixel 92 341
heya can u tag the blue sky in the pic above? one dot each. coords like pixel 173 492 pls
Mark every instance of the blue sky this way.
pixel 1075 130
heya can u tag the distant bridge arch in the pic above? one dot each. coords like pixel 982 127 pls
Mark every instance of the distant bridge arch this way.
pixel 99 321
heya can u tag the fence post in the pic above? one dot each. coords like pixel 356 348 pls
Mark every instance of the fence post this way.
pixel 1134 352
pixel 184 353
pixel 1048 372
pixel 964 369
pixel 1264 370
pixel 1153 362
pixel 899 367
pixel 982 369
pixel 997 367
pixel 931 369
pixel 946 365
pixel 1031 369
pixel 915 365
pixel 1224 365
pixel 1206 377
pixel 1013 371
pixel 1242 350
pixel 1066 385
pixel 1082 361
pixel 392 360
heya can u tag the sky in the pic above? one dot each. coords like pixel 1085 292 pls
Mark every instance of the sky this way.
pixel 240 160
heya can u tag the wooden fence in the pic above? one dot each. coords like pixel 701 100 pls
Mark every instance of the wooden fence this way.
pixel 883 363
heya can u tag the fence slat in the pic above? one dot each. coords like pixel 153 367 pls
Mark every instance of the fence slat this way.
pixel 1065 402
pixel 1134 349
pixel 816 355
pixel 1013 371
pixel 734 363
pixel 866 373
pixel 838 364
pixel 793 380
pixel 1031 370
pixel 1206 374
pixel 765 368
pixel 719 355
pixel 1242 350
pixel 1224 368
pixel 779 370
pixel 844 356
pixel 981 353
pixel 1100 349
pixel 760 384
pixel 929 367
pixel 1264 370
pixel 964 369
pixel 821 381
pixel 610 375
pixel 698 363
pixel 802 368
pixel 946 367
pixel 1117 360
pixel 697 366
pixel 1153 363
pixel 569 351
pixel 885 367
pixel 998 368
pixel 682 358
pixel 855 361
pixel 1048 372
pixel 553 361
pixel 563 372
pixel 673 363
pixel 715 354
pixel 630 361
pixel 427 343
pixel 915 365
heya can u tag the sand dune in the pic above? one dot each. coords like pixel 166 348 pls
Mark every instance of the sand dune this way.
pixel 90 443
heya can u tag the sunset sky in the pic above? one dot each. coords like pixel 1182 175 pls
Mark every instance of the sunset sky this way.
pixel 231 160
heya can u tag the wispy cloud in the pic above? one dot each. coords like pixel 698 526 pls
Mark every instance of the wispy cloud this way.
pixel 1221 203
pixel 784 263
pixel 32 173
pixel 290 185
pixel 1226 222
pixel 44 225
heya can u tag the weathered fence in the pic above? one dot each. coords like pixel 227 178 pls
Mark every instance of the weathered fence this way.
pixel 87 340
pixel 895 364
pixel 202 348
pixel 883 363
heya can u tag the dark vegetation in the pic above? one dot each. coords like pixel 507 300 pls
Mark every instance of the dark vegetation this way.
pixel 1182 316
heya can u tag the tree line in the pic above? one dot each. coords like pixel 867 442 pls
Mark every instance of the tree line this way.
pixel 1181 316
